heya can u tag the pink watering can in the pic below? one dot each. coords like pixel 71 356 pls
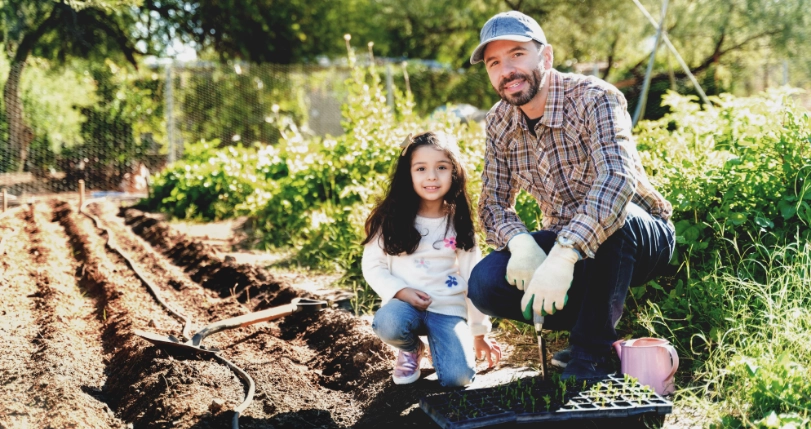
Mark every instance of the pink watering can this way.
pixel 652 361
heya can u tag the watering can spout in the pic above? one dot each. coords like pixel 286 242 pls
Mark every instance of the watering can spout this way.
pixel 653 361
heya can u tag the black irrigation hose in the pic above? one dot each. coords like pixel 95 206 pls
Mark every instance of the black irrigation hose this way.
pixel 186 326
pixel 248 396
pixel 110 243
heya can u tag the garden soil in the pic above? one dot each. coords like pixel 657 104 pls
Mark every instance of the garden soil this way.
pixel 75 285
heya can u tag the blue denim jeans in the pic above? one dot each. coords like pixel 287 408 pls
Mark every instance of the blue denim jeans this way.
pixel 631 256
pixel 399 324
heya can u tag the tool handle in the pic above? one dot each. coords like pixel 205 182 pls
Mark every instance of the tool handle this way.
pixel 538 320
pixel 272 313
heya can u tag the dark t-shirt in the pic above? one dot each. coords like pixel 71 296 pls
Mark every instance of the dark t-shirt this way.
pixel 531 123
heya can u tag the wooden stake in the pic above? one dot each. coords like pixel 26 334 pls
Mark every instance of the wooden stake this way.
pixel 5 200
pixel 81 194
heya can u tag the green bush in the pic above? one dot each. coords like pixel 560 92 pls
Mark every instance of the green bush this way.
pixel 215 184
pixel 737 175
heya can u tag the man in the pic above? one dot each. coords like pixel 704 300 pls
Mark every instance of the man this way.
pixel 566 139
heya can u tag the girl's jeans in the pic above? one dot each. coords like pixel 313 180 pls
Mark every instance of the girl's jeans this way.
pixel 399 324
pixel 631 256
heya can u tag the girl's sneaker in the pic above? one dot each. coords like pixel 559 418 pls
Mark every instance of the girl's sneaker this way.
pixel 407 367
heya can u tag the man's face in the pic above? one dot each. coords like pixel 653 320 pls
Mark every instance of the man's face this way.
pixel 515 70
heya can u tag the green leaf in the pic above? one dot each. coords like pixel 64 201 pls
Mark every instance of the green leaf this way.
pixel 763 222
pixel 737 218
pixel 787 209
pixel 751 368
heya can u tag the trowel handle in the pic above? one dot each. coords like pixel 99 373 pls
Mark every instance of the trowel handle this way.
pixel 265 315
pixel 538 320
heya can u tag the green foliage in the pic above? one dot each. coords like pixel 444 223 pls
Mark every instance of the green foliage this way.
pixel 117 130
pixel 240 103
pixel 434 87
pixel 741 166
pixel 737 176
pixel 755 373
pixel 216 184
pixel 52 99
pixel 288 32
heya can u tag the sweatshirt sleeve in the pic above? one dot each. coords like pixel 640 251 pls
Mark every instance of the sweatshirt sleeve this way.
pixel 479 322
pixel 375 267
pixel 467 260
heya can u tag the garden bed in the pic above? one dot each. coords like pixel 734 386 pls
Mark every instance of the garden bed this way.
pixel 71 358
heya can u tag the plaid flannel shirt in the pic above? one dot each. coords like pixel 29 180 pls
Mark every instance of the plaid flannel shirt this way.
pixel 582 168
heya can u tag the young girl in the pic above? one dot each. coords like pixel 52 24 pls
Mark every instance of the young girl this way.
pixel 420 248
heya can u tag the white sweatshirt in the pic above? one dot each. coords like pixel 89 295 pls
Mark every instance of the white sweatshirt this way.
pixel 437 268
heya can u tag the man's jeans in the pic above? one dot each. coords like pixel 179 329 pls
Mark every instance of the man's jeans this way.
pixel 631 256
pixel 399 324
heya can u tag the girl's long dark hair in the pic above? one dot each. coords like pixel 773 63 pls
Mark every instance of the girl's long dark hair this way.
pixel 393 217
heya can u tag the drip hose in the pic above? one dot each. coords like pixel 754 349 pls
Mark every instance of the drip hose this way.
pixel 186 325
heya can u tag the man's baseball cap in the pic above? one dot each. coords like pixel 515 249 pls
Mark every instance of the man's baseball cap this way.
pixel 512 25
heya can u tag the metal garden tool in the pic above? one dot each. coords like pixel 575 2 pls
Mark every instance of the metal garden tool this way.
pixel 171 342
pixel 538 320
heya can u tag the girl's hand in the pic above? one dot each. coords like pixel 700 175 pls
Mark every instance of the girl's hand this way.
pixel 417 298
pixel 487 348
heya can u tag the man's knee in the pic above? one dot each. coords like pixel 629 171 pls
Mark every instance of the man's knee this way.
pixel 477 289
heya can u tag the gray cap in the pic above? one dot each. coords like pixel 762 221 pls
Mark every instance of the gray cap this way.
pixel 512 25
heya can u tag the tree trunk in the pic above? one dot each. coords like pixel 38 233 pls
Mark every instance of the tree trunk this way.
pixel 20 134
pixel 14 117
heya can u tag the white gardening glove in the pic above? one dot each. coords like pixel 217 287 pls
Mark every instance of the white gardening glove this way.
pixel 526 256
pixel 551 281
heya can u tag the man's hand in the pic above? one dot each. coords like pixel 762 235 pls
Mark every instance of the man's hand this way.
pixel 526 256
pixel 417 298
pixel 551 281
pixel 486 348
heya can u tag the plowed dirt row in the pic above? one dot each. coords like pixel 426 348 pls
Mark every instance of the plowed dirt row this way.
pixel 54 372
pixel 70 357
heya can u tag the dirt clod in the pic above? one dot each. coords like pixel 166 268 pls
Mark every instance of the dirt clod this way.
pixel 216 405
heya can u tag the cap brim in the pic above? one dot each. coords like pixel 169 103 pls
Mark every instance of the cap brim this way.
pixel 478 53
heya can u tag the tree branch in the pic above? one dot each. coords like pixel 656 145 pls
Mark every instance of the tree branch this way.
pixel 30 39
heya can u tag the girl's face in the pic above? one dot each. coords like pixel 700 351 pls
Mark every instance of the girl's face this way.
pixel 431 173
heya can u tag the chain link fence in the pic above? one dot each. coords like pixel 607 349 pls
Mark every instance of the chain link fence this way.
pixel 111 126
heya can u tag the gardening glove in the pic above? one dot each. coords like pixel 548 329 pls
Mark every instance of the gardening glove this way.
pixel 547 289
pixel 526 256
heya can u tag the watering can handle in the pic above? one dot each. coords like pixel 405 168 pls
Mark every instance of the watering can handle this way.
pixel 674 357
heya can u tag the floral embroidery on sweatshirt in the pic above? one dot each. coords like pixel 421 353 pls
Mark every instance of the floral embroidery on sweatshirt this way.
pixel 451 282
pixel 422 263
pixel 451 242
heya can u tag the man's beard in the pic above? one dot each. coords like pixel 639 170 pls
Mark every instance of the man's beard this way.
pixel 519 99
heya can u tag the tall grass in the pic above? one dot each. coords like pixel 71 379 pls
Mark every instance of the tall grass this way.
pixel 757 370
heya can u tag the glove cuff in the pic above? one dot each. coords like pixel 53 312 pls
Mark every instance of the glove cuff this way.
pixel 521 242
pixel 566 253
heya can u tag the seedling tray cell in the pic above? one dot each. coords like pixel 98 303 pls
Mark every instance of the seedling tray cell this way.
pixel 532 400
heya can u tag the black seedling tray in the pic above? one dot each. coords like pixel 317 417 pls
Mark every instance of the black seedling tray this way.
pixel 532 400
